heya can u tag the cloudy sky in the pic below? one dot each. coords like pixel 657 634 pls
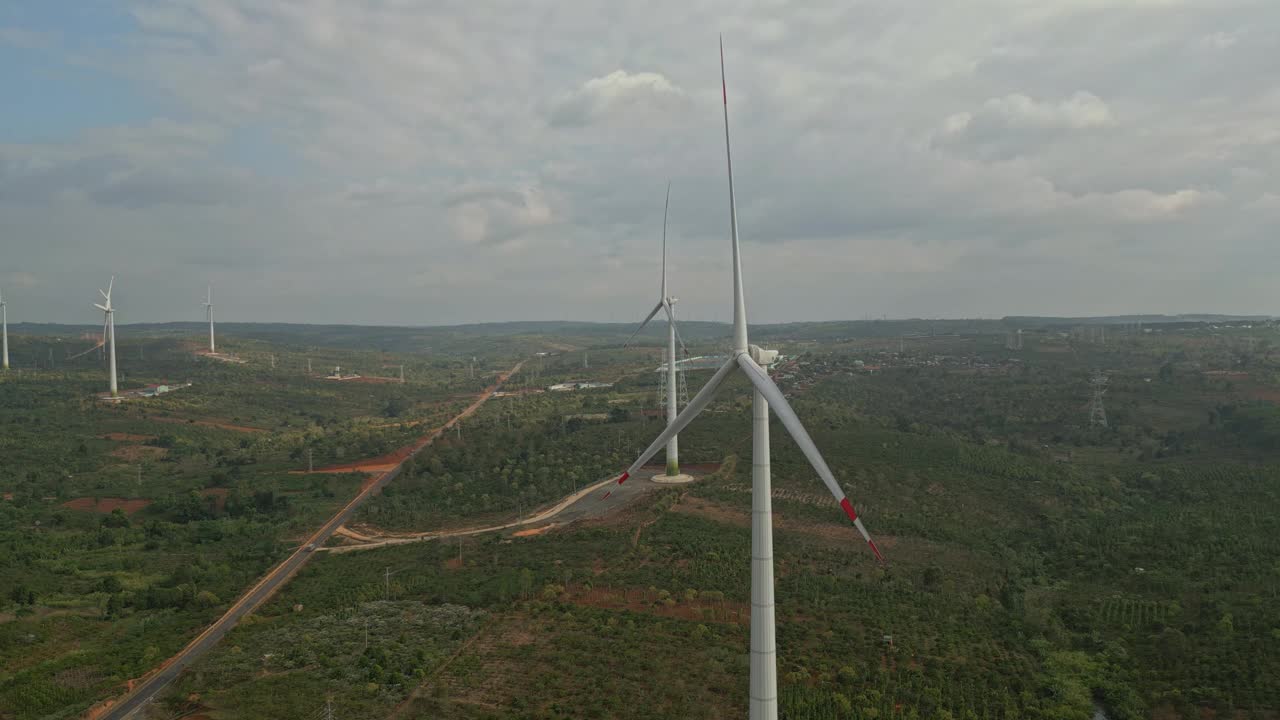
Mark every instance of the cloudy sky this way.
pixel 406 162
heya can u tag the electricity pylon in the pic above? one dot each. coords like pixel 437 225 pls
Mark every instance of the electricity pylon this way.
pixel 1097 412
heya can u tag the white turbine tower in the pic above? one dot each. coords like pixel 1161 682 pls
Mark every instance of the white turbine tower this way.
pixel 750 359
pixel 4 330
pixel 208 311
pixel 667 303
pixel 109 331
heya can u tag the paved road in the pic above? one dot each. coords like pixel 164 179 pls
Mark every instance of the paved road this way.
pixel 272 581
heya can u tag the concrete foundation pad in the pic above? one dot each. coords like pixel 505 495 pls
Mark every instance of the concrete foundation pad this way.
pixel 672 479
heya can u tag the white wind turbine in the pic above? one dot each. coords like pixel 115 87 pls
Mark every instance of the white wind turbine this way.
pixel 750 359
pixel 109 331
pixel 208 310
pixel 667 303
pixel 4 330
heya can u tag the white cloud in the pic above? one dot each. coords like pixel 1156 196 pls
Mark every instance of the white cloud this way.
pixel 1081 111
pixel 949 158
pixel 637 98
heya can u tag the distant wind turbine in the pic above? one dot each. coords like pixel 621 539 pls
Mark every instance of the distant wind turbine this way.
pixel 4 330
pixel 751 361
pixel 667 303
pixel 109 331
pixel 208 308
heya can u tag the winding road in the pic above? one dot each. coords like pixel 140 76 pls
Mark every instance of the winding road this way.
pixel 147 689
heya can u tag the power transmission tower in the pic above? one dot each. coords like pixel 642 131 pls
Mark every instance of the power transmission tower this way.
pixel 682 387
pixel 682 391
pixel 1097 412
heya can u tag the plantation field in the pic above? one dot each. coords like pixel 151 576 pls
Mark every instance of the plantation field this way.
pixel 1039 567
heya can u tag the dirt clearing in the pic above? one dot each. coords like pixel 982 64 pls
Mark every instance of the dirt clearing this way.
pixel 106 505
pixel 134 453
pixel 208 423
pixel 127 437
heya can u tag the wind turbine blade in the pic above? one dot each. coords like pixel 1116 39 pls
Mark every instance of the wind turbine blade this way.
pixel 104 295
pixel 778 402
pixel 666 205
pixel 739 303
pixel 109 286
pixel 656 308
pixel 695 406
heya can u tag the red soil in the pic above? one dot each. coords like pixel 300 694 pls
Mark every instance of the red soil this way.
pixel 208 423
pixel 219 493
pixel 1257 392
pixel 127 437
pixel 106 505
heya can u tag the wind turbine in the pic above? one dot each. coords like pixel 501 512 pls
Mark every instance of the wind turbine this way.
pixel 4 330
pixel 109 331
pixel 667 303
pixel 208 308
pixel 751 360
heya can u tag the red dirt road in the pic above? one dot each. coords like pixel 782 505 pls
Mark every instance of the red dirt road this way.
pixel 140 691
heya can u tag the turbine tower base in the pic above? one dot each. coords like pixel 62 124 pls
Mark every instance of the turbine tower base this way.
pixel 672 479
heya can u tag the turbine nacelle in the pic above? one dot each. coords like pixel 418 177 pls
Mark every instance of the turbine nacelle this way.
pixel 763 357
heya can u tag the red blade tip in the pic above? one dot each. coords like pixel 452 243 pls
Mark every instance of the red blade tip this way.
pixel 875 550
pixel 848 509
pixel 623 477
pixel 606 496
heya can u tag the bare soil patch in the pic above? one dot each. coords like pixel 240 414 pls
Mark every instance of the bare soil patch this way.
pixel 533 531
pixel 134 453
pixel 219 494
pixel 106 505
pixel 1261 392
pixel 208 423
